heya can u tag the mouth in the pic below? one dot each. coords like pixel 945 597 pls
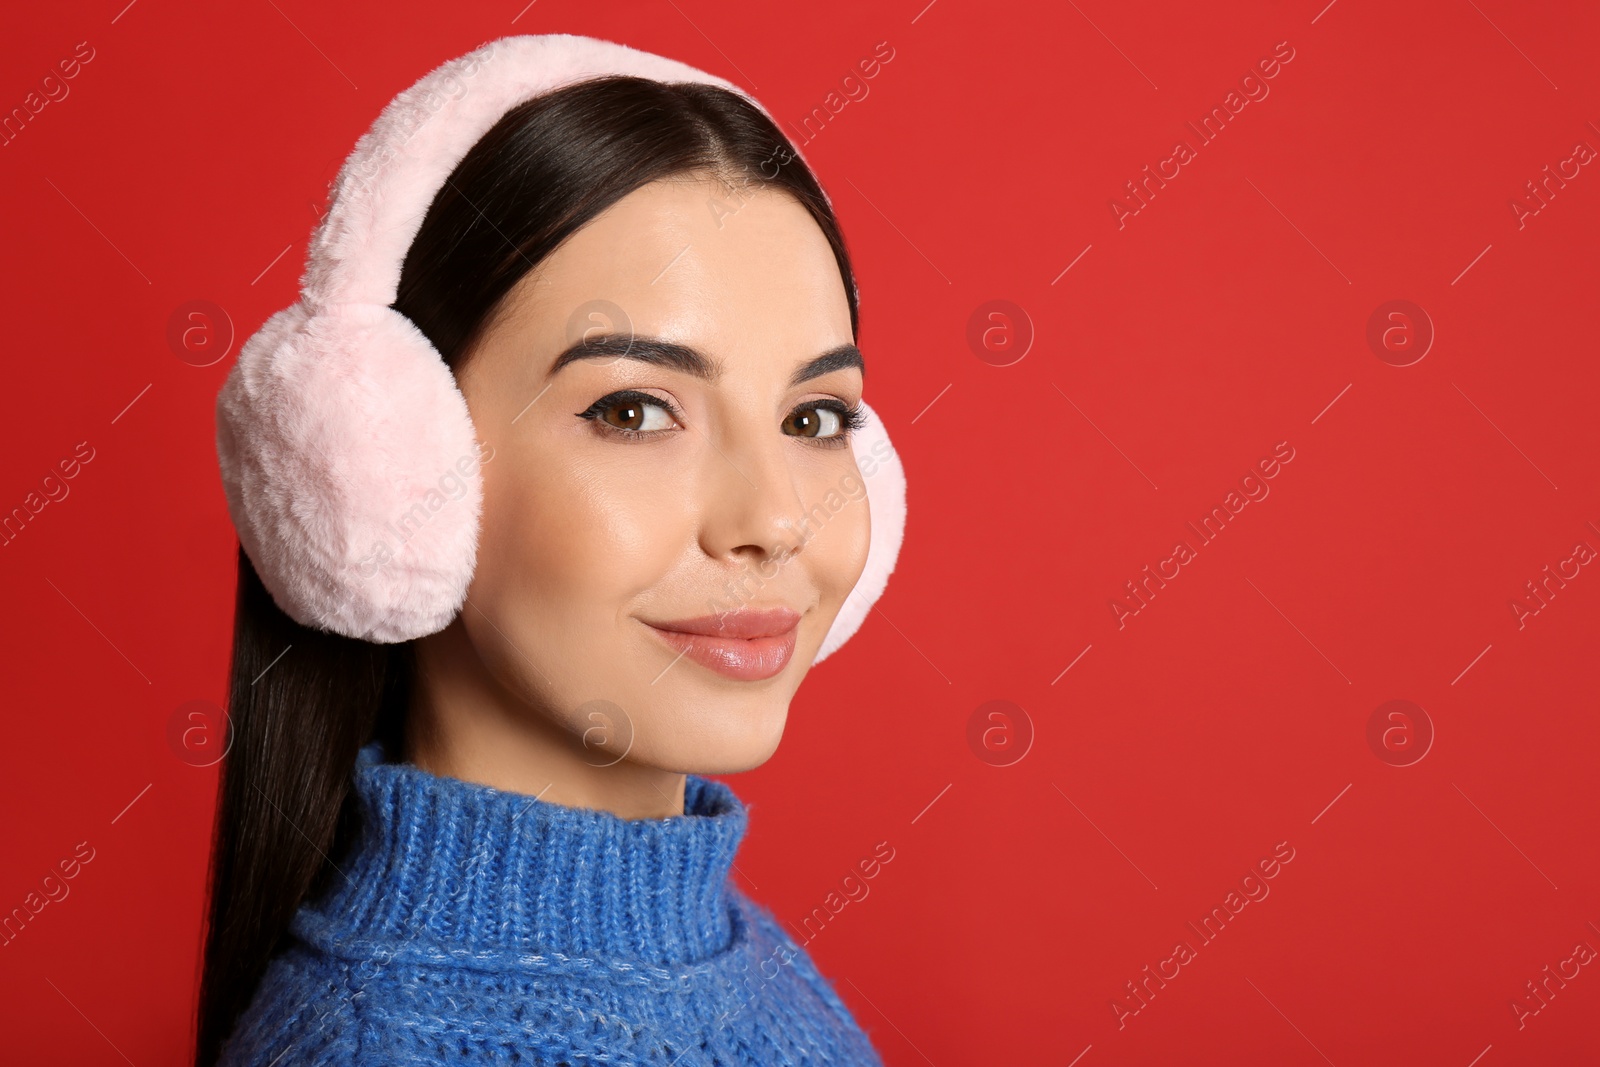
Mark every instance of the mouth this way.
pixel 744 645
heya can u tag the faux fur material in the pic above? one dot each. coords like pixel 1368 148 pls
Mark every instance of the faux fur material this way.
pixel 885 480
pixel 348 456
pixel 385 186
pixel 352 471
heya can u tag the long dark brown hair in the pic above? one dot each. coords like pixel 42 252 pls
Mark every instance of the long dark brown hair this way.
pixel 302 702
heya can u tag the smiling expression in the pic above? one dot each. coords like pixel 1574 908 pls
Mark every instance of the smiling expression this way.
pixel 650 542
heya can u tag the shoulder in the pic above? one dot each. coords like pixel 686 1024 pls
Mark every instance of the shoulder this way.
pixel 313 1009
pixel 302 1013
pixel 777 950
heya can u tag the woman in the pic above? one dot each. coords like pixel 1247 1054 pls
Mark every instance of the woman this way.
pixel 548 496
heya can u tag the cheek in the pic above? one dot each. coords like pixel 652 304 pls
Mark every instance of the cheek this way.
pixel 563 553
pixel 842 532
pixel 572 542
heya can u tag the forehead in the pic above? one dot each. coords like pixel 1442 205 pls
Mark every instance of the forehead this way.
pixel 733 271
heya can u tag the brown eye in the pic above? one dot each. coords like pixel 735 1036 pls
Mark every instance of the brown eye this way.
pixel 813 422
pixel 635 414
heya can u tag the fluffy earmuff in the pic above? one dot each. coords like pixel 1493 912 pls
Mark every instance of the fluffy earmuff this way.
pixel 348 458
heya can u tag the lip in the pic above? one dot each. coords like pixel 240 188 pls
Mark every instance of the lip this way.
pixel 744 645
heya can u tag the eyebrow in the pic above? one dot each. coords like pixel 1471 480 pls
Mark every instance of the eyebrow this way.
pixel 680 357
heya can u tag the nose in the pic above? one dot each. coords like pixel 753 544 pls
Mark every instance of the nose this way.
pixel 754 511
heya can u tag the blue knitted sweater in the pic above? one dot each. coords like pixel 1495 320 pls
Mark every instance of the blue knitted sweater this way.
pixel 478 926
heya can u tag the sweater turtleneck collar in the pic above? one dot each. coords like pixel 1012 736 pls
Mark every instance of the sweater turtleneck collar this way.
pixel 457 867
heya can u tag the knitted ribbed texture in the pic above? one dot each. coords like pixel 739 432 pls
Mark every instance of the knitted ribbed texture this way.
pixel 473 925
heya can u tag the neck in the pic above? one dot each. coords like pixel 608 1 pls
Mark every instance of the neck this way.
pixel 446 866
pixel 462 723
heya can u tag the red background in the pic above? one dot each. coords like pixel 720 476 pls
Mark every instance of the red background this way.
pixel 1228 315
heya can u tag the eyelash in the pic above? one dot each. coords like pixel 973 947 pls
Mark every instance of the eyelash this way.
pixel 850 418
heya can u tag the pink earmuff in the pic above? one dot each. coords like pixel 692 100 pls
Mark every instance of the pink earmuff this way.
pixel 348 457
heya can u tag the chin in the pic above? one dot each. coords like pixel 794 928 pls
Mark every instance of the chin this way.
pixel 737 735
pixel 731 762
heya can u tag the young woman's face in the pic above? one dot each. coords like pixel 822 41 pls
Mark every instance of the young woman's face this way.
pixel 644 486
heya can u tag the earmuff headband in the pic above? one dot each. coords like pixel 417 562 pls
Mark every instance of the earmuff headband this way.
pixel 348 457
